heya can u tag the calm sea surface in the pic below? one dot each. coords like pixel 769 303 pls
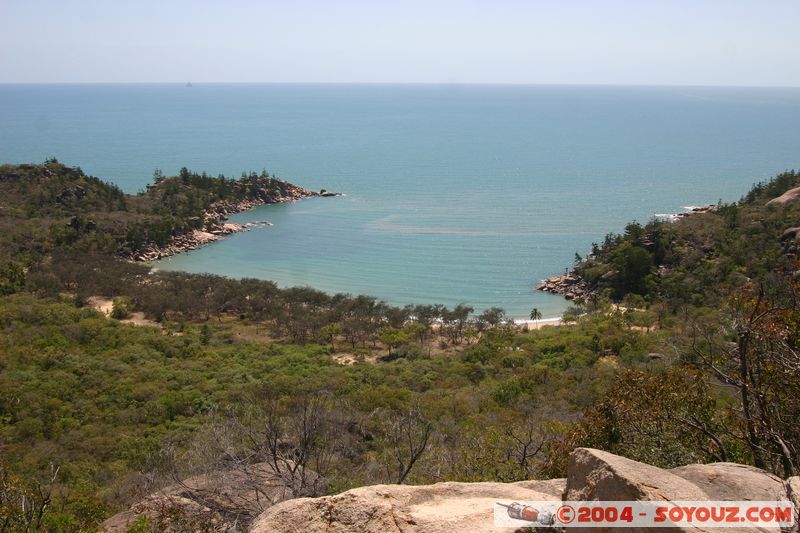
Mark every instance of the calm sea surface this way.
pixel 453 193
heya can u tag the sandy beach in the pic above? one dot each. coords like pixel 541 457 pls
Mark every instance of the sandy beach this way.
pixel 539 324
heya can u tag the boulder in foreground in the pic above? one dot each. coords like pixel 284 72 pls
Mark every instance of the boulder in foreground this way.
pixel 220 501
pixel 598 475
pixel 440 508
pixel 236 504
pixel 455 507
pixel 732 481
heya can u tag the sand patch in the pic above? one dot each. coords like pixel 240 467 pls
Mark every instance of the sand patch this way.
pixel 106 306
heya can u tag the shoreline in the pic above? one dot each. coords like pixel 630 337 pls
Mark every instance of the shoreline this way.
pixel 569 285
pixel 216 225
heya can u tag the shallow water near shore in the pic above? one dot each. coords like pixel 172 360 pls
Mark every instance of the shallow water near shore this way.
pixel 453 193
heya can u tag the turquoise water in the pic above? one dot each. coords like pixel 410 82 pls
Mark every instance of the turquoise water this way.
pixel 453 193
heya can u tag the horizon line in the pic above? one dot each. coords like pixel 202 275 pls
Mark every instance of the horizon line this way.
pixel 408 83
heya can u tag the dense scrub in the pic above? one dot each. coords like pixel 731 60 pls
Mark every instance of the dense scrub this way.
pixel 102 400
pixel 726 282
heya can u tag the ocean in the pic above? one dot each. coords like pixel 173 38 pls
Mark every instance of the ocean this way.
pixel 452 194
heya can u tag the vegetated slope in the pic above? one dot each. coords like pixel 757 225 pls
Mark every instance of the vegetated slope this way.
pixel 433 393
pixel 725 286
pixel 698 258
pixel 112 405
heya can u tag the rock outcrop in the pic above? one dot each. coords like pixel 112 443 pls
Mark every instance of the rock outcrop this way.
pixel 220 501
pixel 790 238
pixel 790 233
pixel 712 208
pixel 215 221
pixel 570 286
pixel 455 507
pixel 242 500
pixel 732 481
pixel 789 196
pixel 599 475
pixel 440 508
pixel 793 490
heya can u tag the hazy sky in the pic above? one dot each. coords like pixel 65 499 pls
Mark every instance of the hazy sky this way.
pixel 675 42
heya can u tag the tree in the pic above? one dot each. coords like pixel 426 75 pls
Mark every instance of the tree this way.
pixel 426 315
pixel 185 175
pixel 536 315
pixel 121 307
pixel 454 322
pixel 406 435
pixel 279 443
pixel 393 338
pixel 754 347
pixel 12 278
pixel 491 318
pixel 633 265
pixel 573 313
pixel 329 332
pixel 666 419
pixel 205 334
pixel 25 503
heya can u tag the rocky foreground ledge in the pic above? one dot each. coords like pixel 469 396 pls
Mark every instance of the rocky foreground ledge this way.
pixel 452 507
pixel 216 225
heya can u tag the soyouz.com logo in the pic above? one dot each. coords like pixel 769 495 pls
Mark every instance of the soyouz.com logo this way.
pixel 649 514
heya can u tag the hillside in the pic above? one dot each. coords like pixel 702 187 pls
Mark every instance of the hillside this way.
pixel 727 282
pixel 696 259
pixel 51 206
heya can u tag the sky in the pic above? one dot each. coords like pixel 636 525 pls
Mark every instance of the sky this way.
pixel 618 42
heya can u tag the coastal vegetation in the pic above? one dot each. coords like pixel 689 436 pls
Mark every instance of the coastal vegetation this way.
pixel 684 350
pixel 54 207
